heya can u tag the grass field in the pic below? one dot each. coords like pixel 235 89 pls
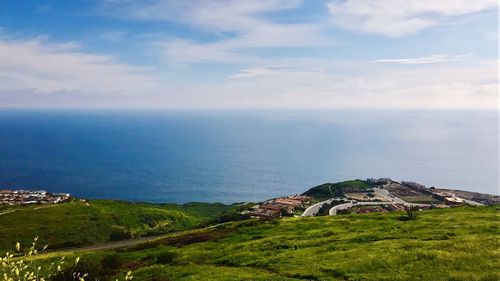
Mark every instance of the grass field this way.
pixel 78 223
pixel 442 244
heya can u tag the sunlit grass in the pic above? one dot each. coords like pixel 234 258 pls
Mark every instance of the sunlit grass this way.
pixel 79 223
pixel 445 244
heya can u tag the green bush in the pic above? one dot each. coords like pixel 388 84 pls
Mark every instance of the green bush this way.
pixel 411 213
pixel 119 233
pixel 112 261
pixel 166 257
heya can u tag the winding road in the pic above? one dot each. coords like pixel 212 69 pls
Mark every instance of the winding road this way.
pixel 314 209
pixel 391 200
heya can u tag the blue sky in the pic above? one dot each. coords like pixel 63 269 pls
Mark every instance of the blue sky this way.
pixel 249 54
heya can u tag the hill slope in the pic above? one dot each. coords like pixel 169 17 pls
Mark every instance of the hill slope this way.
pixel 79 223
pixel 329 190
pixel 442 244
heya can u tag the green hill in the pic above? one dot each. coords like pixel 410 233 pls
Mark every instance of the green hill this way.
pixel 442 244
pixel 86 223
pixel 329 190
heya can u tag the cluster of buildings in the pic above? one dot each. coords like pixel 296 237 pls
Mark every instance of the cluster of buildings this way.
pixel 449 198
pixel 380 181
pixel 278 207
pixel 26 197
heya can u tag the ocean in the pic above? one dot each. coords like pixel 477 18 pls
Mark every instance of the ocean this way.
pixel 229 156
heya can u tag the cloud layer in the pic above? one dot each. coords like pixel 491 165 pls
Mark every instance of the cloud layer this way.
pixel 401 17
pixel 34 73
pixel 45 67
pixel 246 54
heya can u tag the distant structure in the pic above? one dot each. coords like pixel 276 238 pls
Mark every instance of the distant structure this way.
pixel 380 181
pixel 278 207
pixel 26 197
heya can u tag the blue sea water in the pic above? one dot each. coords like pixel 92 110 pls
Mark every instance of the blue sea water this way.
pixel 162 156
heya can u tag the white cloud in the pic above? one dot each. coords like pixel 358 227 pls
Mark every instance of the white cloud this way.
pixel 185 51
pixel 38 73
pixel 438 58
pixel 361 85
pixel 34 73
pixel 235 50
pixel 401 17
pixel 44 67
pixel 253 72
pixel 269 71
pixel 213 16
pixel 237 25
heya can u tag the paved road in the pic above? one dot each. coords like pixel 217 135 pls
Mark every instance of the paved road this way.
pixel 334 209
pixel 391 200
pixel 472 203
pixel 385 193
pixel 345 206
pixel 313 210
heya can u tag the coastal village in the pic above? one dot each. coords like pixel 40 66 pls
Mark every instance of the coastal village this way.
pixel 384 195
pixel 28 197
pixel 282 206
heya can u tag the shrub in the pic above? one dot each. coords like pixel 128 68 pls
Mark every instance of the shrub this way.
pixel 150 220
pixel 119 233
pixel 192 238
pixel 411 213
pixel 112 261
pixel 166 257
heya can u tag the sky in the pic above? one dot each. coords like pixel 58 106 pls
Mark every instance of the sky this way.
pixel 248 54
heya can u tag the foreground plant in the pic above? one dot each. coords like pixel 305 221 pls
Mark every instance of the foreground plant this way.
pixel 22 265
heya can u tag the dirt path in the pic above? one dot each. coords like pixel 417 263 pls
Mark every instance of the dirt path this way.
pixel 112 245
pixel 27 209
pixel 121 244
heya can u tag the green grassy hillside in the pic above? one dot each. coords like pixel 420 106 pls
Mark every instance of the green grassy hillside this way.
pixel 442 244
pixel 80 223
pixel 329 190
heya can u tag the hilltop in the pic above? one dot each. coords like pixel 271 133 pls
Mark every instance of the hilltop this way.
pixel 367 196
pixel 408 191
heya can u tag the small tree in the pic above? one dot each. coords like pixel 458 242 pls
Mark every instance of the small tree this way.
pixel 412 212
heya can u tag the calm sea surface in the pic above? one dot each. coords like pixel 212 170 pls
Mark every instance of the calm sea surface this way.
pixel 231 157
